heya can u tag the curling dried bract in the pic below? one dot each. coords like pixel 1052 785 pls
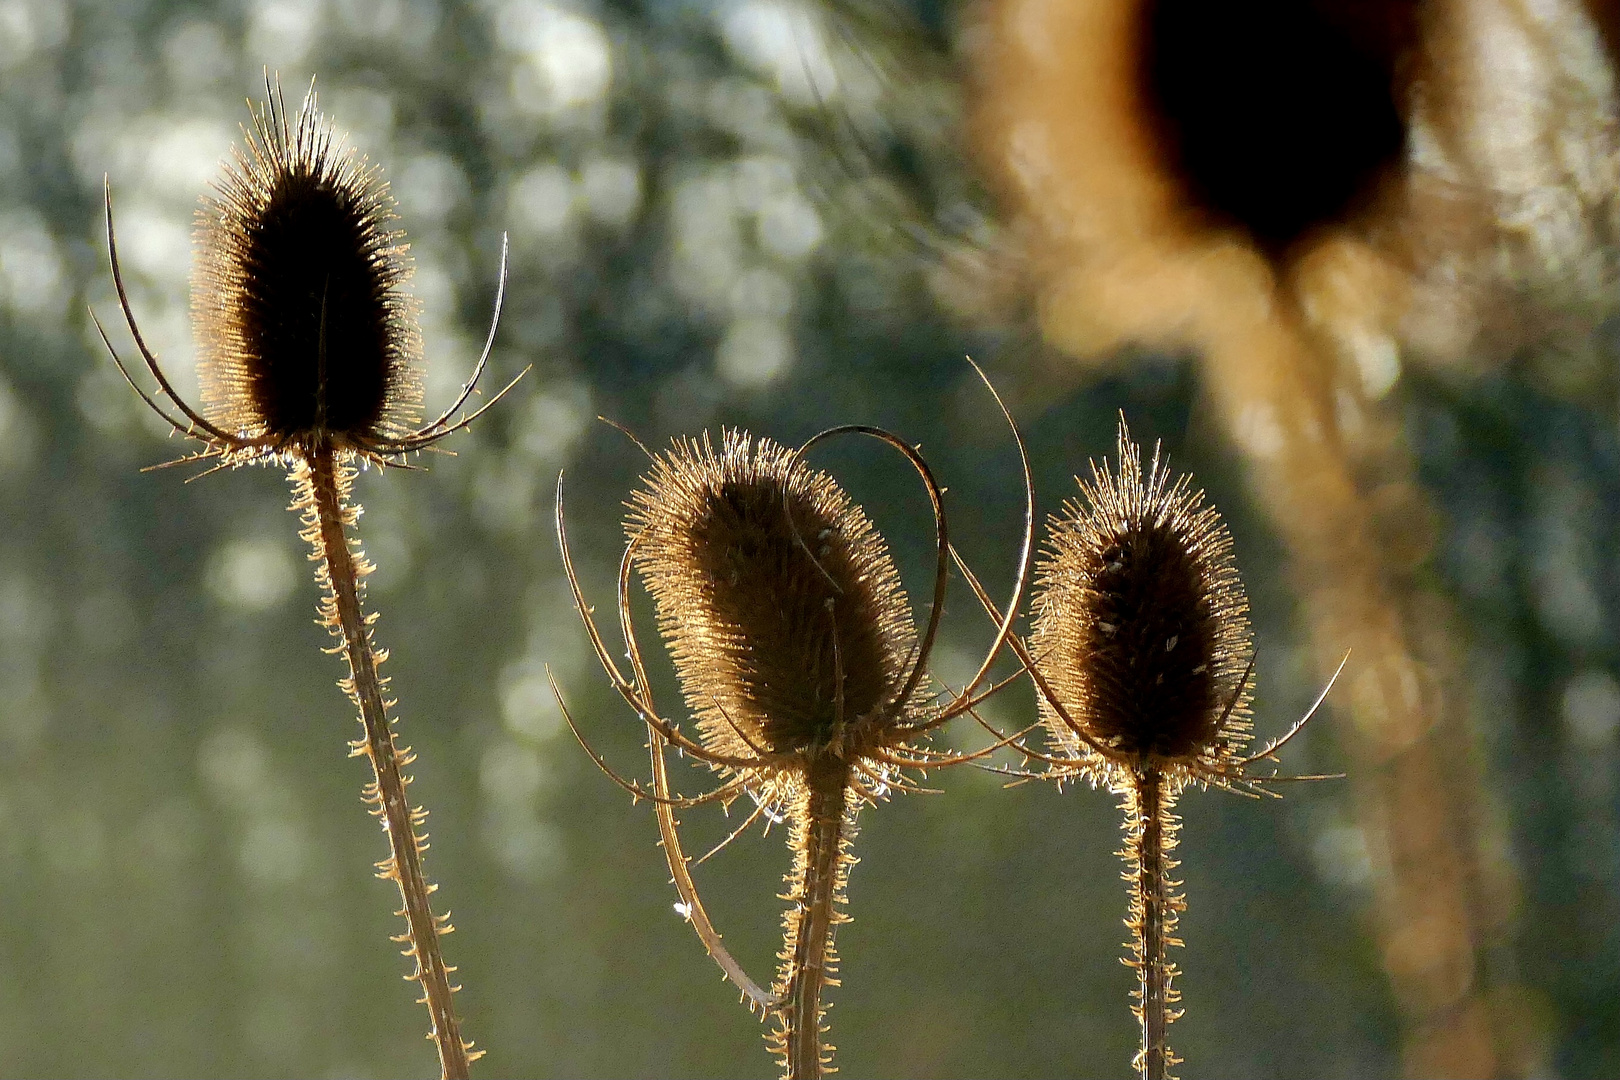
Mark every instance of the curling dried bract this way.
pixel 302 324
pixel 783 611
pixel 1141 625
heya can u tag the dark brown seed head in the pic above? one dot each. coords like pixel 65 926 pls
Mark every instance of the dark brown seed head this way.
pixel 302 328
pixel 1141 626
pixel 779 602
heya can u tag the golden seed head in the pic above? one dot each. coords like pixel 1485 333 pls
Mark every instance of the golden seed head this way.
pixel 1141 623
pixel 777 598
pixel 302 326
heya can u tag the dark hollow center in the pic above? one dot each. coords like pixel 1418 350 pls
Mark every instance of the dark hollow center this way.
pixel 315 315
pixel 1279 116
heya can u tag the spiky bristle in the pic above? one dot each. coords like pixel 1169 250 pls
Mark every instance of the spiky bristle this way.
pixel 1141 623
pixel 302 326
pixel 780 604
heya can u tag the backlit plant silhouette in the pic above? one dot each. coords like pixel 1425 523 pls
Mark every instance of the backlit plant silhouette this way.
pixel 801 664
pixel 310 359
pixel 1142 661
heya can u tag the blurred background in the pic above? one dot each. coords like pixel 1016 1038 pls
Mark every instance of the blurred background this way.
pixel 1354 263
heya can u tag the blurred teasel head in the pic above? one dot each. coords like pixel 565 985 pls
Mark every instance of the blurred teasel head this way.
pixel 302 323
pixel 1141 632
pixel 1323 183
pixel 1277 117
pixel 779 601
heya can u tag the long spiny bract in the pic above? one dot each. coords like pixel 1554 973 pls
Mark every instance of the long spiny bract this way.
pixel 326 511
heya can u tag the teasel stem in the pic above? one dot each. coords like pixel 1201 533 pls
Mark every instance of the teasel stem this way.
pixel 823 867
pixel 323 487
pixel 1149 837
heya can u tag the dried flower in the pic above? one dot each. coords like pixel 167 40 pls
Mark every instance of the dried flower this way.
pixel 798 657
pixel 779 601
pixel 1142 658
pixel 297 298
pixel 308 342
pixel 310 357
pixel 1141 624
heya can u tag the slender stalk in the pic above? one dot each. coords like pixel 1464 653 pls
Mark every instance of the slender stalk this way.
pixel 1150 835
pixel 822 866
pixel 681 874
pixel 323 488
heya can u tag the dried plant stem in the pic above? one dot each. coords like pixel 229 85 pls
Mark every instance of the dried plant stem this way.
pixel 1155 909
pixel 323 486
pixel 810 961
pixel 680 873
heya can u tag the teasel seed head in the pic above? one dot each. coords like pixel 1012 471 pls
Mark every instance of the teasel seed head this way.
pixel 303 329
pixel 1141 628
pixel 782 609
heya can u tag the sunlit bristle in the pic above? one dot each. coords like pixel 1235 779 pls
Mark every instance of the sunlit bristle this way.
pixel 302 326
pixel 781 606
pixel 1141 626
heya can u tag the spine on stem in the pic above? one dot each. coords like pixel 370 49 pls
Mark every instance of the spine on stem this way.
pixel 823 825
pixel 322 488
pixel 1150 836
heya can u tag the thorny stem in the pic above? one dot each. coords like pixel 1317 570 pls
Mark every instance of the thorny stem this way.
pixel 1149 837
pixel 323 487
pixel 821 839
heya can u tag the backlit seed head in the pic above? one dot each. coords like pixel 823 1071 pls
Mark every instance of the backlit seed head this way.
pixel 303 330
pixel 779 601
pixel 1141 625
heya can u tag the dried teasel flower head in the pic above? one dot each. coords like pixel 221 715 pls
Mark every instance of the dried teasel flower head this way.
pixel 1141 628
pixel 779 601
pixel 308 343
pixel 806 676
pixel 799 659
pixel 302 323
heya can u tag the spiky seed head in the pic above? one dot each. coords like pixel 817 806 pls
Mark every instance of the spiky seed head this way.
pixel 1141 623
pixel 302 326
pixel 779 602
